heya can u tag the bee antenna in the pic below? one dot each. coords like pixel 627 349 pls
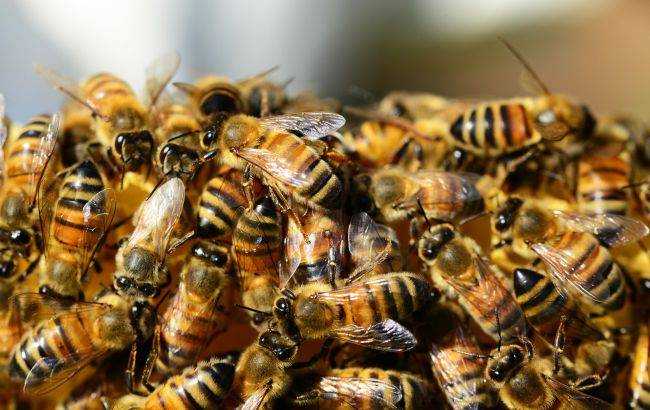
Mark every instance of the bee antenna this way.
pixel 424 214
pixel 634 184
pixel 525 63
pixel 183 135
pixel 253 310
pixel 496 312
pixel 160 302
pixel 473 355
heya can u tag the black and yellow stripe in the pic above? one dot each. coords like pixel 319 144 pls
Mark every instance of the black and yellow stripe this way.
pixel 601 184
pixel 538 297
pixel 220 205
pixel 201 387
pixel 493 129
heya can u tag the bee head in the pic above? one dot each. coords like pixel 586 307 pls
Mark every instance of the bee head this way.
pixel 506 215
pixel 280 346
pixel 387 189
pixel 134 148
pixel 221 99
pixel 503 365
pixel 178 160
pixel 433 241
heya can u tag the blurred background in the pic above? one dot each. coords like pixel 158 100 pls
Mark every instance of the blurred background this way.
pixel 595 50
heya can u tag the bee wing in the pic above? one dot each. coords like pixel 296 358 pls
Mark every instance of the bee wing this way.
pixel 611 230
pixel 48 373
pixel 388 336
pixel 158 215
pixel 158 74
pixel 311 125
pixel 46 199
pixel 449 371
pixel 573 399
pixel 353 390
pixel 276 166
pixel 369 243
pixel 485 291
pixel 563 268
pixel 98 215
pixel 256 399
pixel 36 167
pixel 3 136
pixel 35 307
pixel 294 243
pixel 69 88
pixel 258 76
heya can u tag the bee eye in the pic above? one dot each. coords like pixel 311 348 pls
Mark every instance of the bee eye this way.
pixel 258 319
pixel 502 222
pixel 20 237
pixel 284 353
pixel 6 269
pixel 430 250
pixel 209 137
pixel 119 141
pixel 138 309
pixel 124 283
pixel 496 374
pixel 282 307
pixel 148 290
pixel 218 259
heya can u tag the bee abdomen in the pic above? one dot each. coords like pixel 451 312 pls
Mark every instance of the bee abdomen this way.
pixel 537 296
pixel 221 204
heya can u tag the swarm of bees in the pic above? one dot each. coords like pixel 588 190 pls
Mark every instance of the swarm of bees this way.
pixel 223 244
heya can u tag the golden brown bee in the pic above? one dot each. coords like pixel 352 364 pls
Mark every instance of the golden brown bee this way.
pixel 121 120
pixel 199 309
pixel 140 269
pixel 203 386
pixel 75 214
pixel 263 97
pixel 455 263
pixel 69 339
pixel 458 367
pixel 442 196
pixel 640 373
pixel 413 105
pixel 221 203
pixel 213 95
pixel 27 157
pixel 257 244
pixel 77 133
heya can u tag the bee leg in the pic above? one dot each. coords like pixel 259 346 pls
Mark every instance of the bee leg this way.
pixel 180 241
pixel 151 361
pixel 588 382
pixel 282 204
pixel 130 369
pixel 558 345
pixel 247 184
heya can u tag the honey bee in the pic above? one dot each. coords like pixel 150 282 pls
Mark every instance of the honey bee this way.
pixel 140 269
pixel 75 215
pixel 263 97
pixel 365 312
pixel 221 203
pixel 27 158
pixel 72 338
pixel 100 393
pixel 213 95
pixel 77 133
pixel 440 196
pixel 522 381
pixel 495 128
pixel 121 120
pixel 257 244
pixel 315 250
pixel 455 262
pixel 203 386
pixel 286 163
pixel 413 105
pixel 458 367
pixel 640 374
pixel 199 309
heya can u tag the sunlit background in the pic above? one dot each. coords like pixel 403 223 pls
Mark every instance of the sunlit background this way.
pixel 596 50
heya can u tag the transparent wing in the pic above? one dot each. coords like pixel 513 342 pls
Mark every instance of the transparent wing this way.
pixel 69 88
pixel 489 296
pixel 158 215
pixel 256 399
pixel 50 372
pixel 40 159
pixel 565 271
pixel 274 165
pixel 98 215
pixel 46 200
pixel 35 307
pixel 294 242
pixel 388 336
pixel 370 243
pixel 311 125
pixel 256 77
pixel 573 399
pixel 353 391
pixel 611 230
pixel 158 74
pixel 452 363
pixel 3 136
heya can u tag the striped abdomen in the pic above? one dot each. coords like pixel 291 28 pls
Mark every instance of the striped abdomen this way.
pixel 200 387
pixel 173 120
pixel 416 392
pixel 391 296
pixel 55 345
pixel 220 97
pixel 20 153
pixel 188 325
pixel 220 205
pixel 594 270
pixel 321 187
pixel 492 129
pixel 450 198
pixel 101 86
pixel 538 298
pixel 69 228
pixel 601 182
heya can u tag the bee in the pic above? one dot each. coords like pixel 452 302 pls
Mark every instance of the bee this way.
pixel 440 196
pixel 497 128
pixel 413 105
pixel 458 367
pixel 71 338
pixel 75 214
pixel 263 97
pixel 640 374
pixel 220 205
pixel 257 244
pixel 121 119
pixel 203 386
pixel 213 95
pixel 77 133
pixel 100 393
pixel 199 309
pixel 314 251
pixel 27 158
pixel 522 381
pixel 365 388
pixel 140 269
pixel 455 262
pixel 286 163
pixel 365 312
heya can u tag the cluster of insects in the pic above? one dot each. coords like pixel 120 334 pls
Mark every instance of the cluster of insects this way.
pixel 223 244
